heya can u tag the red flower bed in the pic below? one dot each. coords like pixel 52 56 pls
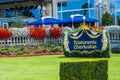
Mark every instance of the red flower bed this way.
pixel 37 32
pixel 4 33
pixel 100 28
pixel 56 31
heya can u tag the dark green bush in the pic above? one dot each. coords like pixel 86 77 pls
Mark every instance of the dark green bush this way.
pixel 84 70
pixel 95 53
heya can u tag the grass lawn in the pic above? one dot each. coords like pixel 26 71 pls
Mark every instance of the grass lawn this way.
pixel 45 67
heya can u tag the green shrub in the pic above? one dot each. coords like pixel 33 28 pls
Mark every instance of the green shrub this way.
pixel 19 24
pixel 39 49
pixel 29 49
pixel 26 50
pixel 54 48
pixel 18 50
pixel 95 53
pixel 10 50
pixel 57 49
pixel 3 50
pixel 84 70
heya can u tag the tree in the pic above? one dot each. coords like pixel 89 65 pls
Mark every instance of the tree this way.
pixel 18 24
pixel 107 19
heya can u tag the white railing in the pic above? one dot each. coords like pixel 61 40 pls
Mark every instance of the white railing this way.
pixel 114 32
pixel 15 41
pixel 115 40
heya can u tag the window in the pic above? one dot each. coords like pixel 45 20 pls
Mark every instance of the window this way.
pixel 92 13
pixel 62 3
pixel 68 14
pixel 83 7
pixel 5 25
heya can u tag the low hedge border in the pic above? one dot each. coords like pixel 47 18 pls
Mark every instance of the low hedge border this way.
pixel 95 53
pixel 84 70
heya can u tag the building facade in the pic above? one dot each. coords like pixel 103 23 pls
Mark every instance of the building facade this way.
pixel 60 9
pixel 115 10
pixel 25 10
pixel 88 8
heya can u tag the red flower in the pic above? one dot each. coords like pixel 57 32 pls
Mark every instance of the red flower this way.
pixel 56 31
pixel 4 33
pixel 100 28
pixel 37 32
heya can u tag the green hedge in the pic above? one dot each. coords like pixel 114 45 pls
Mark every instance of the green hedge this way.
pixel 84 70
pixel 95 53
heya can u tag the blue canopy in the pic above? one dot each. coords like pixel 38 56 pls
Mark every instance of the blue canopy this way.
pixel 45 21
pixel 78 19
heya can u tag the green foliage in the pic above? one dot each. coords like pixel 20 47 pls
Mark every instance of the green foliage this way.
pixel 107 19
pixel 29 49
pixel 95 53
pixel 40 49
pixel 74 31
pixel 18 24
pixel 26 50
pixel 10 50
pixel 18 50
pixel 108 49
pixel 54 48
pixel 84 70
pixel 3 50
pixel 57 48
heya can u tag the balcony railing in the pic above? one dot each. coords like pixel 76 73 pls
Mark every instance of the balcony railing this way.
pixel 16 41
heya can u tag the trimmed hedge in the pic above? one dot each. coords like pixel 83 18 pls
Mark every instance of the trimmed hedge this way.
pixel 95 54
pixel 84 70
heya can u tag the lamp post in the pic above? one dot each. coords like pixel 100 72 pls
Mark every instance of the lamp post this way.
pixel 84 19
pixel 72 17
pixel 43 21
pixel 101 6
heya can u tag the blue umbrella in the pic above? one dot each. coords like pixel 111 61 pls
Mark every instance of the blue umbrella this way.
pixel 78 19
pixel 91 20
pixel 45 20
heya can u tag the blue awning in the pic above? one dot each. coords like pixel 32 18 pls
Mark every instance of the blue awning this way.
pixel 46 21
pixel 78 19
